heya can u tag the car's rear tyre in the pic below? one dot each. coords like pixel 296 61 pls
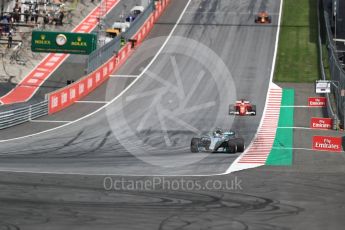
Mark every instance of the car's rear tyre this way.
pixel 240 145
pixel 231 110
pixel 254 110
pixel 240 148
pixel 194 145
pixel 232 147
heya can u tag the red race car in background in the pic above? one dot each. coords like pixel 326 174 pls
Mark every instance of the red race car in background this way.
pixel 242 108
pixel 263 18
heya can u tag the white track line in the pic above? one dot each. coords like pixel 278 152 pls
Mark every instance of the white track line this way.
pixel 93 102
pixel 128 87
pixel 118 96
pixel 227 12
pixel 123 76
pixel 233 166
pixel 299 106
pixel 276 43
pixel 86 116
pixel 294 128
pixel 305 128
pixel 49 121
pixel 306 149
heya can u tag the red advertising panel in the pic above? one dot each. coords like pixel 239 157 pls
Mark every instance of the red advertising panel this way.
pixel 324 143
pixel 65 97
pixel 320 123
pixel 317 101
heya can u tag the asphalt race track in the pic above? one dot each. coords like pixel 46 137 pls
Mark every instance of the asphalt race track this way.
pixel 216 55
pixel 58 179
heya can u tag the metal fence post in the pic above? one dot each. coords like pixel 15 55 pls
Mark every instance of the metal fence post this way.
pixel 336 69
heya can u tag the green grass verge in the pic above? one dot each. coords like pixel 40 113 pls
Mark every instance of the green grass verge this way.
pixel 297 56
pixel 281 153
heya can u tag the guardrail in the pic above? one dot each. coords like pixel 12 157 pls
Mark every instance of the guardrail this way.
pixel 330 111
pixel 101 55
pixel 336 68
pixel 21 115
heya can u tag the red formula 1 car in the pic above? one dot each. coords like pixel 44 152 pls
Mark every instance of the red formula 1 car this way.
pixel 263 18
pixel 242 108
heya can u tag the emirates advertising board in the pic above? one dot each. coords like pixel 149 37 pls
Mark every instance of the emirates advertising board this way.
pixel 326 143
pixel 317 101
pixel 320 123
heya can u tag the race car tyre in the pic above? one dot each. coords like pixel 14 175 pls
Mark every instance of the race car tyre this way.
pixel 232 147
pixel 240 145
pixel 231 110
pixel 194 145
pixel 254 110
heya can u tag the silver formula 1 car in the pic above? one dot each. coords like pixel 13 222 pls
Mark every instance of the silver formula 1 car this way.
pixel 217 141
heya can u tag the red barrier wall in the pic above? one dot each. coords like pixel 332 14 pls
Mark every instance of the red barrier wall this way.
pixel 62 98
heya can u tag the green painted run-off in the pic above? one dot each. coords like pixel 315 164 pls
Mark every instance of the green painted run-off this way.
pixel 281 153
